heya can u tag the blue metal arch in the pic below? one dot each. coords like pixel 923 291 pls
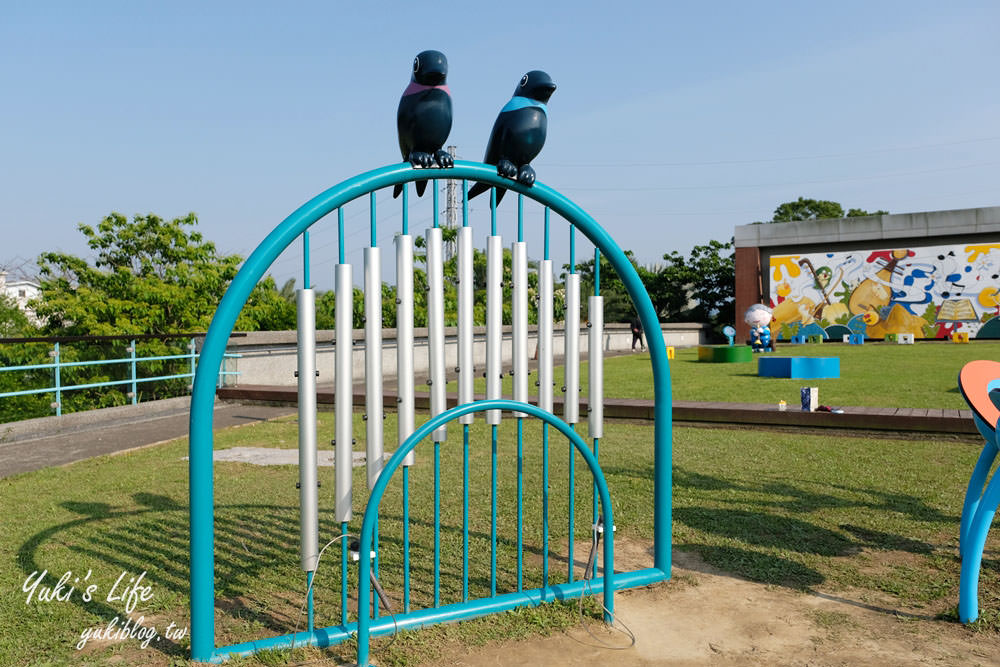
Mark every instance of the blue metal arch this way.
pixel 425 429
pixel 203 392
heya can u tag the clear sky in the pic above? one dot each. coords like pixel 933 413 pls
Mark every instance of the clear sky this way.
pixel 671 123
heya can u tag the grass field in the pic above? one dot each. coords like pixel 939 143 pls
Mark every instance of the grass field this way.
pixel 876 517
pixel 923 375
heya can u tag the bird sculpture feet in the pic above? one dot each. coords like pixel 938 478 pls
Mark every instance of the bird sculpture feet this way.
pixel 507 169
pixel 444 159
pixel 526 175
pixel 421 160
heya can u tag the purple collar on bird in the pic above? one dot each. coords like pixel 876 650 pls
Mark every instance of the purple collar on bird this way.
pixel 415 87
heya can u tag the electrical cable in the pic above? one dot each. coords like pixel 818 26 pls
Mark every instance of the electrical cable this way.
pixel 587 576
pixel 378 591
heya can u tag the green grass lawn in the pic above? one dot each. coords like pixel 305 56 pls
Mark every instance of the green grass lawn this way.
pixel 923 375
pixel 876 519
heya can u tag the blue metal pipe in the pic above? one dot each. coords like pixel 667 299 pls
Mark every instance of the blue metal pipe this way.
pixel 305 261
pixel 309 601
pixel 437 523
pixel 406 539
pixel 465 512
pixel 493 514
pixel 520 501
pixel 450 613
pixel 545 505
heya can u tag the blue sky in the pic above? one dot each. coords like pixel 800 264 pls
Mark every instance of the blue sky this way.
pixel 671 123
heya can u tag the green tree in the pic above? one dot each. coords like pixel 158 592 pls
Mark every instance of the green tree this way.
pixel 696 288
pixel 815 209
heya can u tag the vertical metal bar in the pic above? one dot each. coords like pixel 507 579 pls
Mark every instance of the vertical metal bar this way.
pixel 306 280
pixel 493 513
pixel 406 209
pixel 344 546
pixel 465 513
pixel 571 413
pixel 466 371
pixel 545 382
pixel 406 539
pixel 437 523
pixel 58 373
pixel 309 602
pixel 571 508
pixel 371 211
pixel 404 340
pixel 435 326
pixel 340 233
pixel 520 217
pixel 344 391
pixel 308 494
pixel 373 364
pixel 520 503
pixel 493 211
pixel 494 322
pixel 133 369
pixel 595 356
pixel 437 204
pixel 375 600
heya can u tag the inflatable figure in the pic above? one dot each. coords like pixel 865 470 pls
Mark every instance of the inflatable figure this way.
pixel 519 132
pixel 758 316
pixel 423 119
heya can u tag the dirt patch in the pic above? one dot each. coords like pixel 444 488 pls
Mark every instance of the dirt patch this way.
pixel 705 616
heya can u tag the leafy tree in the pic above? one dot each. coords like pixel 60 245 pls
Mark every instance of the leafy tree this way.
pixel 814 209
pixel 698 288
pixel 617 303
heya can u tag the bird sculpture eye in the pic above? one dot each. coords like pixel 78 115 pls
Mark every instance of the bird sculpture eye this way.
pixel 416 64
pixel 524 80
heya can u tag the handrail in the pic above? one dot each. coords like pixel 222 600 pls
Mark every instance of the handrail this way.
pixel 57 365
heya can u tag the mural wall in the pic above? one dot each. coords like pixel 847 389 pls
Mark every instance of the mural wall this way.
pixel 928 291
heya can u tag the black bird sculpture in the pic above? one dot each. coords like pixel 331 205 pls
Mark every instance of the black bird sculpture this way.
pixel 424 116
pixel 519 132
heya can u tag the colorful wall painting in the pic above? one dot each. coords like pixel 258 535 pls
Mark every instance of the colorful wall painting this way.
pixel 929 292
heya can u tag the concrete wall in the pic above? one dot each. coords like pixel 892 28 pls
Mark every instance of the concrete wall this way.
pixel 269 357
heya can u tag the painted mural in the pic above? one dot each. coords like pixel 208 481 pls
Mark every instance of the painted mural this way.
pixel 929 292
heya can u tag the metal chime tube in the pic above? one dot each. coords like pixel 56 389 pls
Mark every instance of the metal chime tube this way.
pixel 373 364
pixel 519 312
pixel 465 292
pixel 596 358
pixel 404 340
pixel 545 335
pixel 571 411
pixel 344 389
pixel 308 494
pixel 435 325
pixel 494 321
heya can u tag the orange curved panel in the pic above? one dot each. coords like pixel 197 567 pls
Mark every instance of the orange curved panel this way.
pixel 975 381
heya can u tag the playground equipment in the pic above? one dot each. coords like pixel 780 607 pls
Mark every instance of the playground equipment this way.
pixel 369 621
pixel 979 382
pixel 806 368
pixel 724 354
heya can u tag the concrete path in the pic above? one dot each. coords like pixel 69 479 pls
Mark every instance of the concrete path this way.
pixel 52 449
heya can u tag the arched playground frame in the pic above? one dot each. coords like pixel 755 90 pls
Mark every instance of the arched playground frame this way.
pixel 203 397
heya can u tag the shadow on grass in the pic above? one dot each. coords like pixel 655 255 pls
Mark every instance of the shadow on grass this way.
pixel 759 567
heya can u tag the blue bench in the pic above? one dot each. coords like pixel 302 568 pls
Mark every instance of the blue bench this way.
pixel 799 367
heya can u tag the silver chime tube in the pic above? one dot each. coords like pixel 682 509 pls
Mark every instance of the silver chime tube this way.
pixel 308 494
pixel 571 411
pixel 344 389
pixel 519 320
pixel 435 326
pixel 494 322
pixel 596 358
pixel 404 340
pixel 545 335
pixel 466 370
pixel 373 364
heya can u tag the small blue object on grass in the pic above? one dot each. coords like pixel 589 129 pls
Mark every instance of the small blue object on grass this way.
pixel 799 367
pixel 798 339
pixel 857 339
pixel 730 333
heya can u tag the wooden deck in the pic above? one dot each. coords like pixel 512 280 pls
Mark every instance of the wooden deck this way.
pixel 931 420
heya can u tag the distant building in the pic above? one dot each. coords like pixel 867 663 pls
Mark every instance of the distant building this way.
pixel 21 292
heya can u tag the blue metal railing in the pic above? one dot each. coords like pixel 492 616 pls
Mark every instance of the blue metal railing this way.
pixel 133 380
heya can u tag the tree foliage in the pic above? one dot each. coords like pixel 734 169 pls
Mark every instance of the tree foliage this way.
pixel 815 209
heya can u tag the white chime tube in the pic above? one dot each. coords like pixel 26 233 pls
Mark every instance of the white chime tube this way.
pixel 373 364
pixel 596 358
pixel 343 392
pixel 494 322
pixel 404 341
pixel 435 326
pixel 466 370
pixel 308 494
pixel 519 320
pixel 545 335
pixel 571 412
